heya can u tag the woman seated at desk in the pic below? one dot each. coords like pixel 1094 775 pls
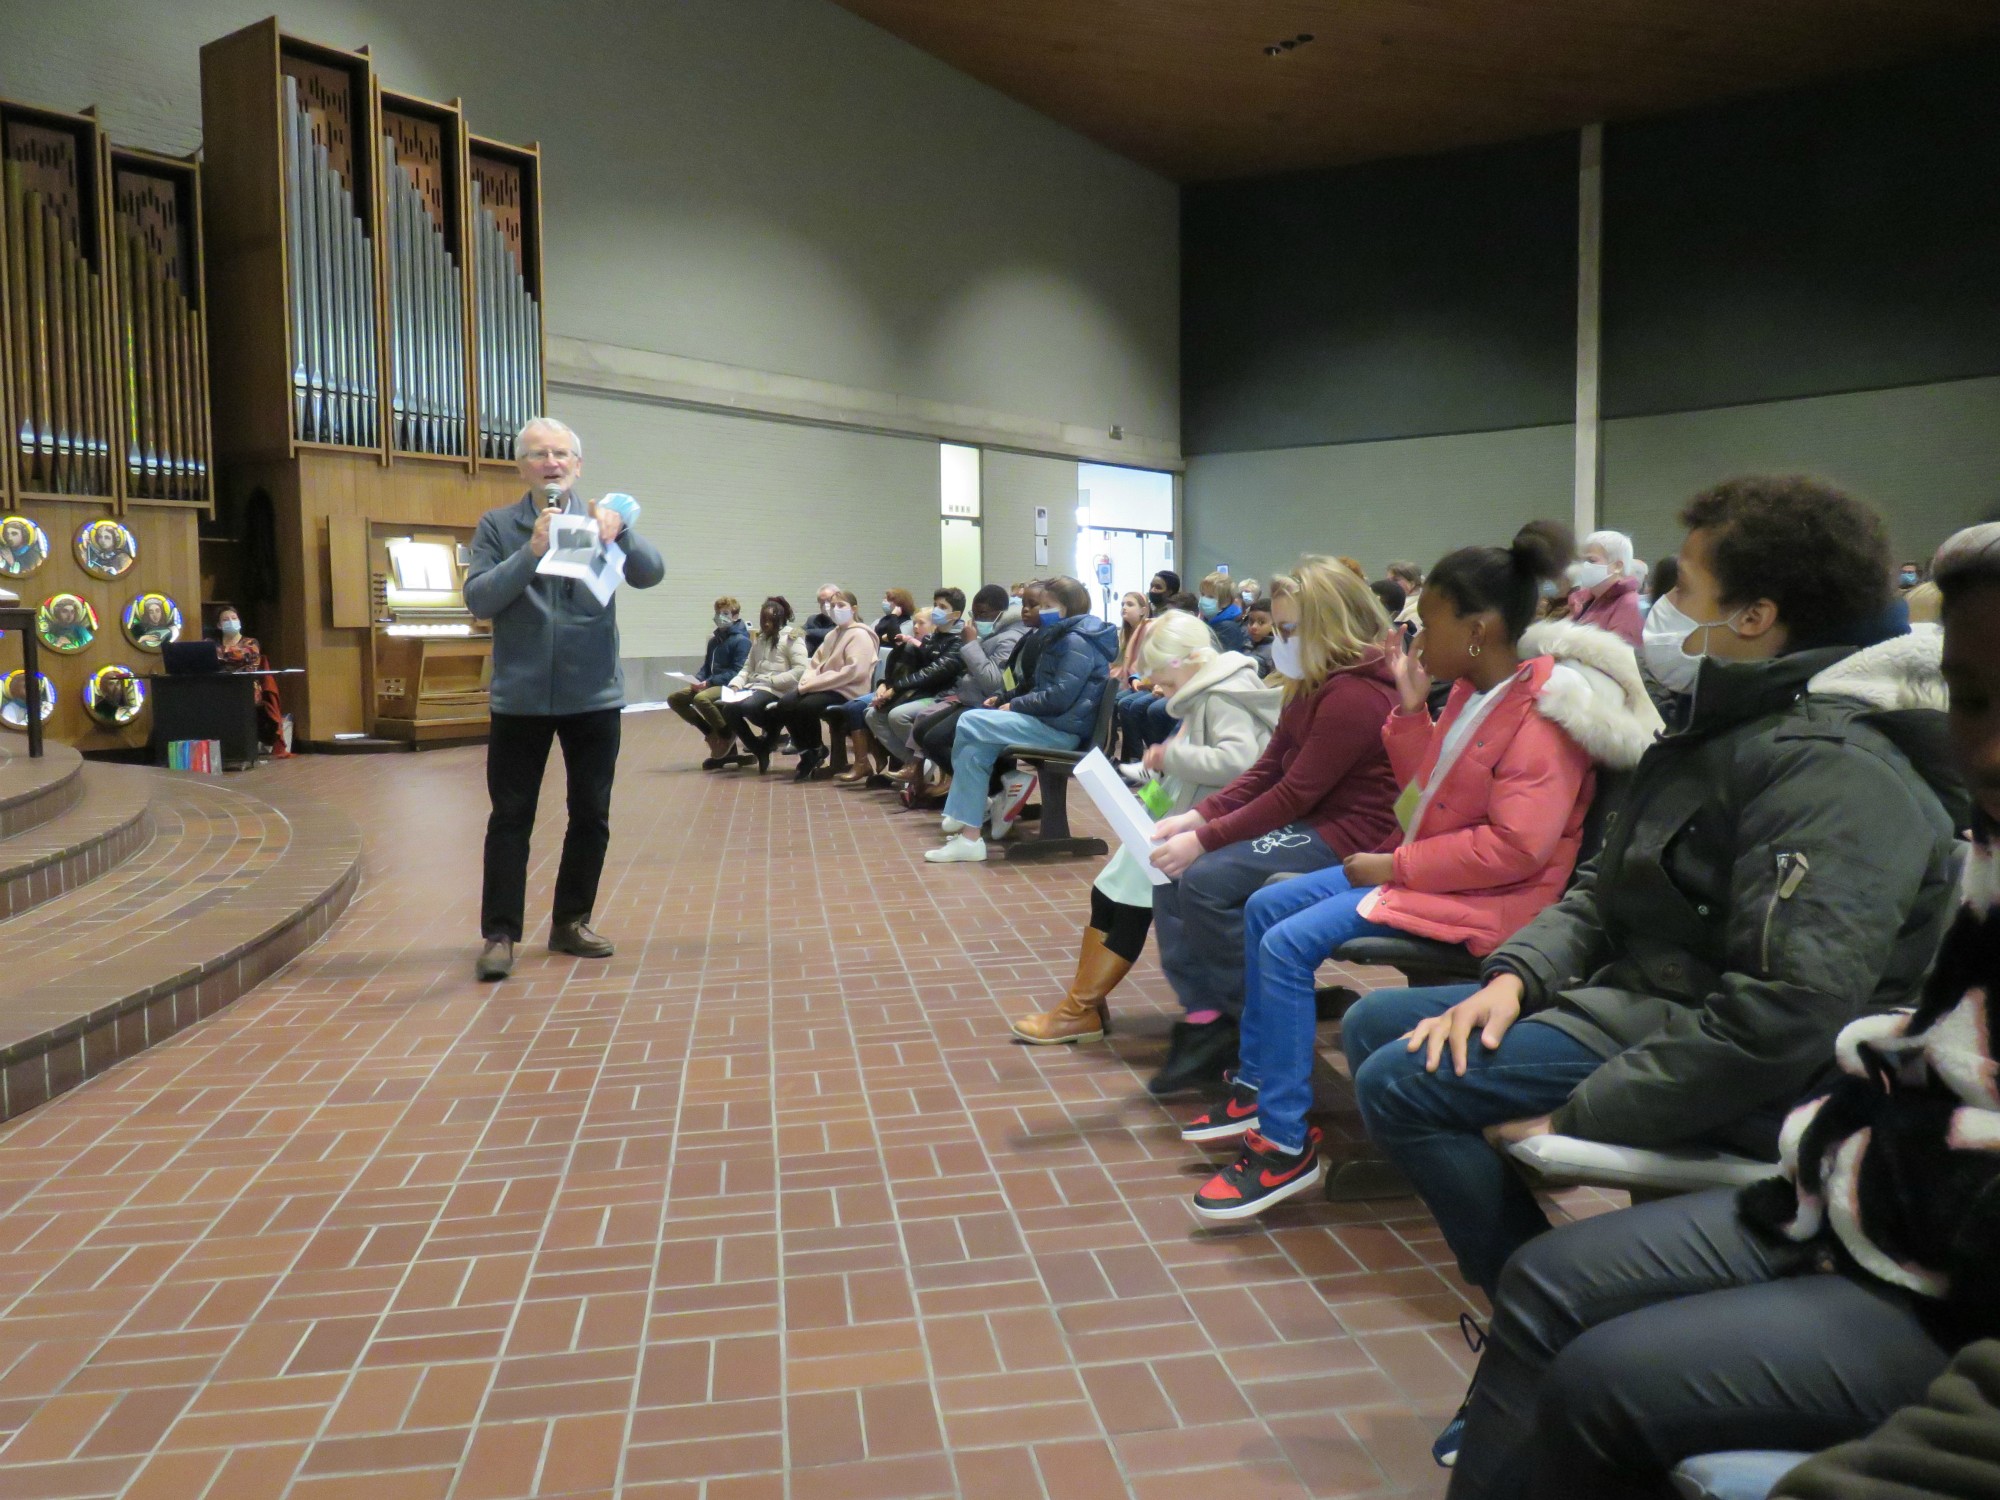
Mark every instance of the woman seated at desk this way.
pixel 241 653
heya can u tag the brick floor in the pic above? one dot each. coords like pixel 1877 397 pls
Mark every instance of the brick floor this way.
pixel 766 1206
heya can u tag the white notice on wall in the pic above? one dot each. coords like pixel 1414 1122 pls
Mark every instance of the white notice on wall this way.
pixel 1042 522
pixel 1041 552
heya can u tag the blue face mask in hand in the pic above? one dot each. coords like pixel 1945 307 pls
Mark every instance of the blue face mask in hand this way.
pixel 1051 617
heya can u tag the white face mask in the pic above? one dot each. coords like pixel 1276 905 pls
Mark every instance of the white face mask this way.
pixel 232 627
pixel 1288 657
pixel 841 614
pixel 1588 575
pixel 1664 643
pixel 723 618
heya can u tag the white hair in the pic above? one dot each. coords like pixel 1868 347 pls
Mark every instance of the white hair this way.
pixel 1615 545
pixel 1175 636
pixel 575 442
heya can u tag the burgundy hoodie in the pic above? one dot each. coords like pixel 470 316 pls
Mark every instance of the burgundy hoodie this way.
pixel 1325 767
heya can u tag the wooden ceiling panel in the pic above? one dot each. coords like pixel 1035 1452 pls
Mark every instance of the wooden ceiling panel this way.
pixel 1185 86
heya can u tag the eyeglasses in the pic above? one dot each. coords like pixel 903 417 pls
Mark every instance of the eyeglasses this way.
pixel 544 455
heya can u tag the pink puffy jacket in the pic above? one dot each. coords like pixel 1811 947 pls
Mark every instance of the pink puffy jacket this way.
pixel 1500 834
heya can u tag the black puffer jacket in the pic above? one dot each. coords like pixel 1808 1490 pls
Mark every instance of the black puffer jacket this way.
pixel 926 669
pixel 1780 866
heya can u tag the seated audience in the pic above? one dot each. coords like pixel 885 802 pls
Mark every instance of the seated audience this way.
pixel 1393 599
pixel 1805 1310
pixel 1226 717
pixel 819 624
pixel 1322 790
pixel 1606 594
pixel 1246 593
pixel 914 684
pixel 1134 614
pixel 723 658
pixel 1141 717
pixel 1222 610
pixel 989 649
pixel 1503 781
pixel 1259 633
pixel 776 662
pixel 1411 577
pixel 899 609
pixel 1058 710
pixel 1781 865
pixel 1166 583
pixel 1660 581
pixel 837 673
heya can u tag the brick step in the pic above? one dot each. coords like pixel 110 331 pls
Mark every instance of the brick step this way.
pixel 106 827
pixel 226 891
pixel 34 791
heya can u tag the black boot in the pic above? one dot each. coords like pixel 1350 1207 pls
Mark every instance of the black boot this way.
pixel 1197 1058
pixel 809 761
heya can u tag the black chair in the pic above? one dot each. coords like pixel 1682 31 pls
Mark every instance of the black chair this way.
pixel 1054 839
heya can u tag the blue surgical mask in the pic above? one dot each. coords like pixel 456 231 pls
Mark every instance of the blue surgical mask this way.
pixel 940 615
pixel 1206 605
pixel 1051 617
pixel 984 627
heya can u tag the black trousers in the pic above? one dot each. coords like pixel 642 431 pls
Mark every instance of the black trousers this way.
pixel 745 711
pixel 934 735
pixel 1628 1342
pixel 801 713
pixel 517 753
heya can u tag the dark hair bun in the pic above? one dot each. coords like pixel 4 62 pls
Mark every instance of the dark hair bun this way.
pixel 1542 549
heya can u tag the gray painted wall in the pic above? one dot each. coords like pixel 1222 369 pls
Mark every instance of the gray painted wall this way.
pixel 1410 497
pixel 1011 486
pixel 766 183
pixel 1927 456
pixel 747 507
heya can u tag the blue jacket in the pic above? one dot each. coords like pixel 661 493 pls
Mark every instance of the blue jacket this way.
pixel 555 648
pixel 1228 627
pixel 728 649
pixel 1071 675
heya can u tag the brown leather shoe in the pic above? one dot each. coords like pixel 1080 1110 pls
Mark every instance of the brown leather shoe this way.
pixel 1085 1012
pixel 496 960
pixel 577 940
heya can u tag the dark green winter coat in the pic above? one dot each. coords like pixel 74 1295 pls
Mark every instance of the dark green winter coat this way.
pixel 1947 1446
pixel 1783 864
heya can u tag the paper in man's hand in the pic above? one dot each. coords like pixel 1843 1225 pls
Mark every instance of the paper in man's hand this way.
pixel 573 544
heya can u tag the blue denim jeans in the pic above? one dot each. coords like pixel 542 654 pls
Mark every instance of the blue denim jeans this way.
pixel 1143 720
pixel 1289 929
pixel 982 734
pixel 1429 1124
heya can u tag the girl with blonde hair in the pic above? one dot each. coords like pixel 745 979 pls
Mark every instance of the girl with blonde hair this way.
pixel 1322 790
pixel 1226 716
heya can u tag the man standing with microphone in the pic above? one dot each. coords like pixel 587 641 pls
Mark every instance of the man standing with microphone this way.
pixel 555 677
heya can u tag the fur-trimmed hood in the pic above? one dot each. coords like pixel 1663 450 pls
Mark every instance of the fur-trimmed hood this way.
pixel 1902 673
pixel 1595 693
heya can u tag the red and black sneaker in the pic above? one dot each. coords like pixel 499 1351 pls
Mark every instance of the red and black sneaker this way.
pixel 1262 1176
pixel 1234 1116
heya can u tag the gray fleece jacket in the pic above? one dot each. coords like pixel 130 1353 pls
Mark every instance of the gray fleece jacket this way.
pixel 555 648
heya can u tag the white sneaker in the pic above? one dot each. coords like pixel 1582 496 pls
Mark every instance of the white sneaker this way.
pixel 956 851
pixel 1134 772
pixel 950 825
pixel 1003 808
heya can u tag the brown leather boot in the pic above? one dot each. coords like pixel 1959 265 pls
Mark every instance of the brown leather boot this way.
pixel 859 743
pixel 1085 1014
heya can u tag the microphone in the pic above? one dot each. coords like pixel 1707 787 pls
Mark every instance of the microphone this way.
pixel 552 493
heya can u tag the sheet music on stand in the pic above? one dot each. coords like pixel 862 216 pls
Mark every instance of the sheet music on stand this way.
pixel 1123 811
